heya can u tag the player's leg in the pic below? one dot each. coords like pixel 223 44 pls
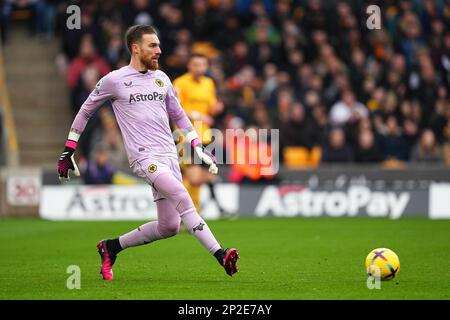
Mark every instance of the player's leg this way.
pixel 192 177
pixel 144 234
pixel 166 226
pixel 172 189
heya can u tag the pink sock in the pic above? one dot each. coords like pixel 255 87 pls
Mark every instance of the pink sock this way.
pixel 142 235
pixel 199 229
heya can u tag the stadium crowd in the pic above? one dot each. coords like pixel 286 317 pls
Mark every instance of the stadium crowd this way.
pixel 312 68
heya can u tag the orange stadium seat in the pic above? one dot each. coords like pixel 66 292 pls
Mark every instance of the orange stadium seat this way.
pixel 301 157
pixel 315 156
pixel 296 157
pixel 394 164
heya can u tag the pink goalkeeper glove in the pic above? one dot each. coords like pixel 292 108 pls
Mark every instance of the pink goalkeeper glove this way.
pixel 66 162
pixel 206 156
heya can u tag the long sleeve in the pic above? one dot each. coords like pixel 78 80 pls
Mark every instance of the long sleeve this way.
pixel 104 90
pixel 176 112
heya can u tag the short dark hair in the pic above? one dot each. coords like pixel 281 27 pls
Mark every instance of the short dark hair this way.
pixel 134 34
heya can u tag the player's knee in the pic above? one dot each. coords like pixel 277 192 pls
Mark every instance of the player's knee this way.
pixel 170 229
pixel 184 203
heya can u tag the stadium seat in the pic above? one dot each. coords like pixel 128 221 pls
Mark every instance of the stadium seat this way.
pixel 296 157
pixel 315 156
pixel 394 164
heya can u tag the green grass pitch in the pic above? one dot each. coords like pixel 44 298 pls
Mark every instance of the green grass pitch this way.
pixel 281 258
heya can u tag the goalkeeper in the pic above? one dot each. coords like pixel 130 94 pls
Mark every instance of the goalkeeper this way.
pixel 144 100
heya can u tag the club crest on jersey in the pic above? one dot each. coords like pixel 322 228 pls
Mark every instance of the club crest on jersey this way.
pixel 152 168
pixel 159 83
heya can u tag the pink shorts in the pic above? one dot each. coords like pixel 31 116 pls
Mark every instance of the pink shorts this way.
pixel 150 168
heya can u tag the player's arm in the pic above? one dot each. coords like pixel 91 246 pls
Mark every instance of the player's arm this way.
pixel 102 92
pixel 177 115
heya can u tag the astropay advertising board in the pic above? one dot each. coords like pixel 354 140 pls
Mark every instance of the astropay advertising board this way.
pixel 97 203
pixel 108 202
pixel 136 202
pixel 295 200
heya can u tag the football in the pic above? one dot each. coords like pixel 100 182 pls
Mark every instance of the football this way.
pixel 382 263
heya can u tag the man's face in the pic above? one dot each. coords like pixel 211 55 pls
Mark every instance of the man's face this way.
pixel 337 138
pixel 149 51
pixel 348 98
pixel 102 157
pixel 198 66
pixel 392 127
pixel 87 49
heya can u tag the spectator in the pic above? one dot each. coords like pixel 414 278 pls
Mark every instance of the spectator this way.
pixel 42 15
pixel 261 116
pixel 202 20
pixel 298 131
pixel 336 150
pixel 114 51
pixel 116 148
pixel 393 143
pixel 347 110
pixel 427 150
pixel 230 33
pixel 367 151
pixel 72 39
pixel 138 12
pixel 112 139
pixel 270 83
pixel 412 37
pixel 264 41
pixel 319 120
pixel 87 59
pixel 46 18
pixel 99 169
pixel 440 119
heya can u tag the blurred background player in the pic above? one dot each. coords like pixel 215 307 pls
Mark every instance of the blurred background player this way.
pixel 197 94
pixel 99 169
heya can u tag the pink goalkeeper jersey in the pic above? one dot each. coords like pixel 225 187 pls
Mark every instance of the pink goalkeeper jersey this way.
pixel 143 105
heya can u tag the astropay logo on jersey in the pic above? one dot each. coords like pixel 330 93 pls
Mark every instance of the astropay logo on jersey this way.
pixel 356 200
pixel 139 97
